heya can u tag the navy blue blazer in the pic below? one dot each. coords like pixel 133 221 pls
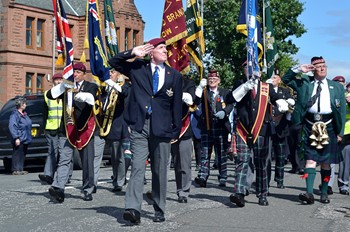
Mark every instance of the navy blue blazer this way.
pixel 166 103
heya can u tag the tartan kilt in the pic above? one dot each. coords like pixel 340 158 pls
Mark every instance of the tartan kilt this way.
pixel 329 154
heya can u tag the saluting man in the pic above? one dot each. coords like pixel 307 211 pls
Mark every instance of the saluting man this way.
pixel 154 117
pixel 321 109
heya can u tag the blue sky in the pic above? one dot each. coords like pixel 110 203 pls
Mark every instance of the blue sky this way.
pixel 326 21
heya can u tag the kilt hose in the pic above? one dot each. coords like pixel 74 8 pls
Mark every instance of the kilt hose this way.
pixel 218 138
pixel 260 155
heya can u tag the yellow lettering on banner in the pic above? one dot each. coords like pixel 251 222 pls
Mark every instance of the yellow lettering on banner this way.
pixel 170 53
pixel 177 14
pixel 99 46
pixel 166 32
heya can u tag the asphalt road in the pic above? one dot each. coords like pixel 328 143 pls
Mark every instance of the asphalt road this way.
pixel 26 206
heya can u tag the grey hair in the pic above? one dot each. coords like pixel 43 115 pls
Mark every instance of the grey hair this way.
pixel 20 101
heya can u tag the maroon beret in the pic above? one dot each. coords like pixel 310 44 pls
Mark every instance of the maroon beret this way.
pixel 156 41
pixel 339 79
pixel 317 60
pixel 57 75
pixel 79 66
pixel 213 73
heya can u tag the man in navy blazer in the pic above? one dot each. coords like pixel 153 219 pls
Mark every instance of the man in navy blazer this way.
pixel 153 114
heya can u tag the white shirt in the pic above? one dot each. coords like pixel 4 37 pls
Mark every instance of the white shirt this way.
pixel 161 72
pixel 325 106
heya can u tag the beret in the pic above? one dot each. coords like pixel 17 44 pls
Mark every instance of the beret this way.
pixel 57 75
pixel 79 66
pixel 156 41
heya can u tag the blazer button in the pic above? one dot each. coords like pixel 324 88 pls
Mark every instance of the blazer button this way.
pixel 146 107
pixel 152 96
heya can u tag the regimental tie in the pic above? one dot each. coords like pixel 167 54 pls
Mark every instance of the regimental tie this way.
pixel 155 80
pixel 212 101
pixel 253 92
pixel 316 96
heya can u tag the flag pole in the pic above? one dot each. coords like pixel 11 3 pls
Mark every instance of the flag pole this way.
pixel 53 44
pixel 264 40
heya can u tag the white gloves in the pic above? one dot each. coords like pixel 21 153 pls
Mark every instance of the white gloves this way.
pixel 221 114
pixel 187 98
pixel 114 85
pixel 291 101
pixel 282 105
pixel 200 87
pixel 85 97
pixel 243 89
pixel 57 90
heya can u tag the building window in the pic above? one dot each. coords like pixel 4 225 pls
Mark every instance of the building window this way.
pixel 40 34
pixel 29 83
pixel 29 32
pixel 135 40
pixel 39 83
pixel 127 37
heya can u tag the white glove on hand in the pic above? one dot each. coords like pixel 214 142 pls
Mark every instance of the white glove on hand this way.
pixel 85 97
pixel 200 87
pixel 249 85
pixel 221 114
pixel 282 105
pixel 57 90
pixel 291 101
pixel 243 89
pixel 114 85
pixel 187 98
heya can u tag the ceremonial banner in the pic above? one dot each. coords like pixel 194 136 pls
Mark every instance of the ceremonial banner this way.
pixel 250 26
pixel 195 38
pixel 246 7
pixel 110 27
pixel 98 60
pixel 270 45
pixel 174 33
pixel 64 41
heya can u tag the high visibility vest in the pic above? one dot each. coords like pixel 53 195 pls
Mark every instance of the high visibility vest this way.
pixel 54 113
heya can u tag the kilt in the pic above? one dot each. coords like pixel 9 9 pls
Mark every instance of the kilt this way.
pixel 329 154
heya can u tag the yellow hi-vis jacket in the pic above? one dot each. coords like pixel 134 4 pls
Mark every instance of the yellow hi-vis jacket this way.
pixel 54 113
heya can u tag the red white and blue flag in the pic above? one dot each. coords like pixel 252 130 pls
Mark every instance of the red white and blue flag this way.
pixel 64 40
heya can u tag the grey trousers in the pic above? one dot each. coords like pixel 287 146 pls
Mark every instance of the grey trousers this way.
pixel 51 159
pixel 142 145
pixel 118 163
pixel 182 151
pixel 64 164
pixel 99 146
pixel 344 170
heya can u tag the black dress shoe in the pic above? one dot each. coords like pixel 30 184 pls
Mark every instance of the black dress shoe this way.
pixel 329 189
pixel 132 216
pixel 94 190
pixel 344 192
pixel 222 184
pixel 280 185
pixel 57 194
pixel 87 196
pixel 182 199
pixel 238 199
pixel 46 179
pixel 293 171
pixel 201 182
pixel 263 201
pixel 117 189
pixel 307 197
pixel 324 199
pixel 301 171
pixel 159 219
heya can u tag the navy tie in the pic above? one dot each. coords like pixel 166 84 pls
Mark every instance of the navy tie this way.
pixel 316 96
pixel 155 78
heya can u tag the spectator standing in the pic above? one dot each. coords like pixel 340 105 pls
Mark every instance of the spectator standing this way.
pixel 20 127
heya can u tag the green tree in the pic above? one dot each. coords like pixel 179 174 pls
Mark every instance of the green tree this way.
pixel 225 47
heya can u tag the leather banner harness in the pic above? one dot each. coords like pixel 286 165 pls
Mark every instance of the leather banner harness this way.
pixel 255 130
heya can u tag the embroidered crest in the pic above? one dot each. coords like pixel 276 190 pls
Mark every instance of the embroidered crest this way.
pixel 337 103
pixel 170 92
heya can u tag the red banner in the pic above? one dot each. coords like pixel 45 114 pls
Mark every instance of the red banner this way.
pixel 174 33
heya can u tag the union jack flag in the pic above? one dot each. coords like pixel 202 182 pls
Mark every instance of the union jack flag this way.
pixel 64 40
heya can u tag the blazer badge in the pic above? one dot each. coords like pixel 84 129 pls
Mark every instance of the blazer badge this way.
pixel 170 92
pixel 337 103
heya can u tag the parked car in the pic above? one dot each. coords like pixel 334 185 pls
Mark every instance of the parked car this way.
pixel 38 149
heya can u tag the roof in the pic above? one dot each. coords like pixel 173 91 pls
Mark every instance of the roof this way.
pixel 72 7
